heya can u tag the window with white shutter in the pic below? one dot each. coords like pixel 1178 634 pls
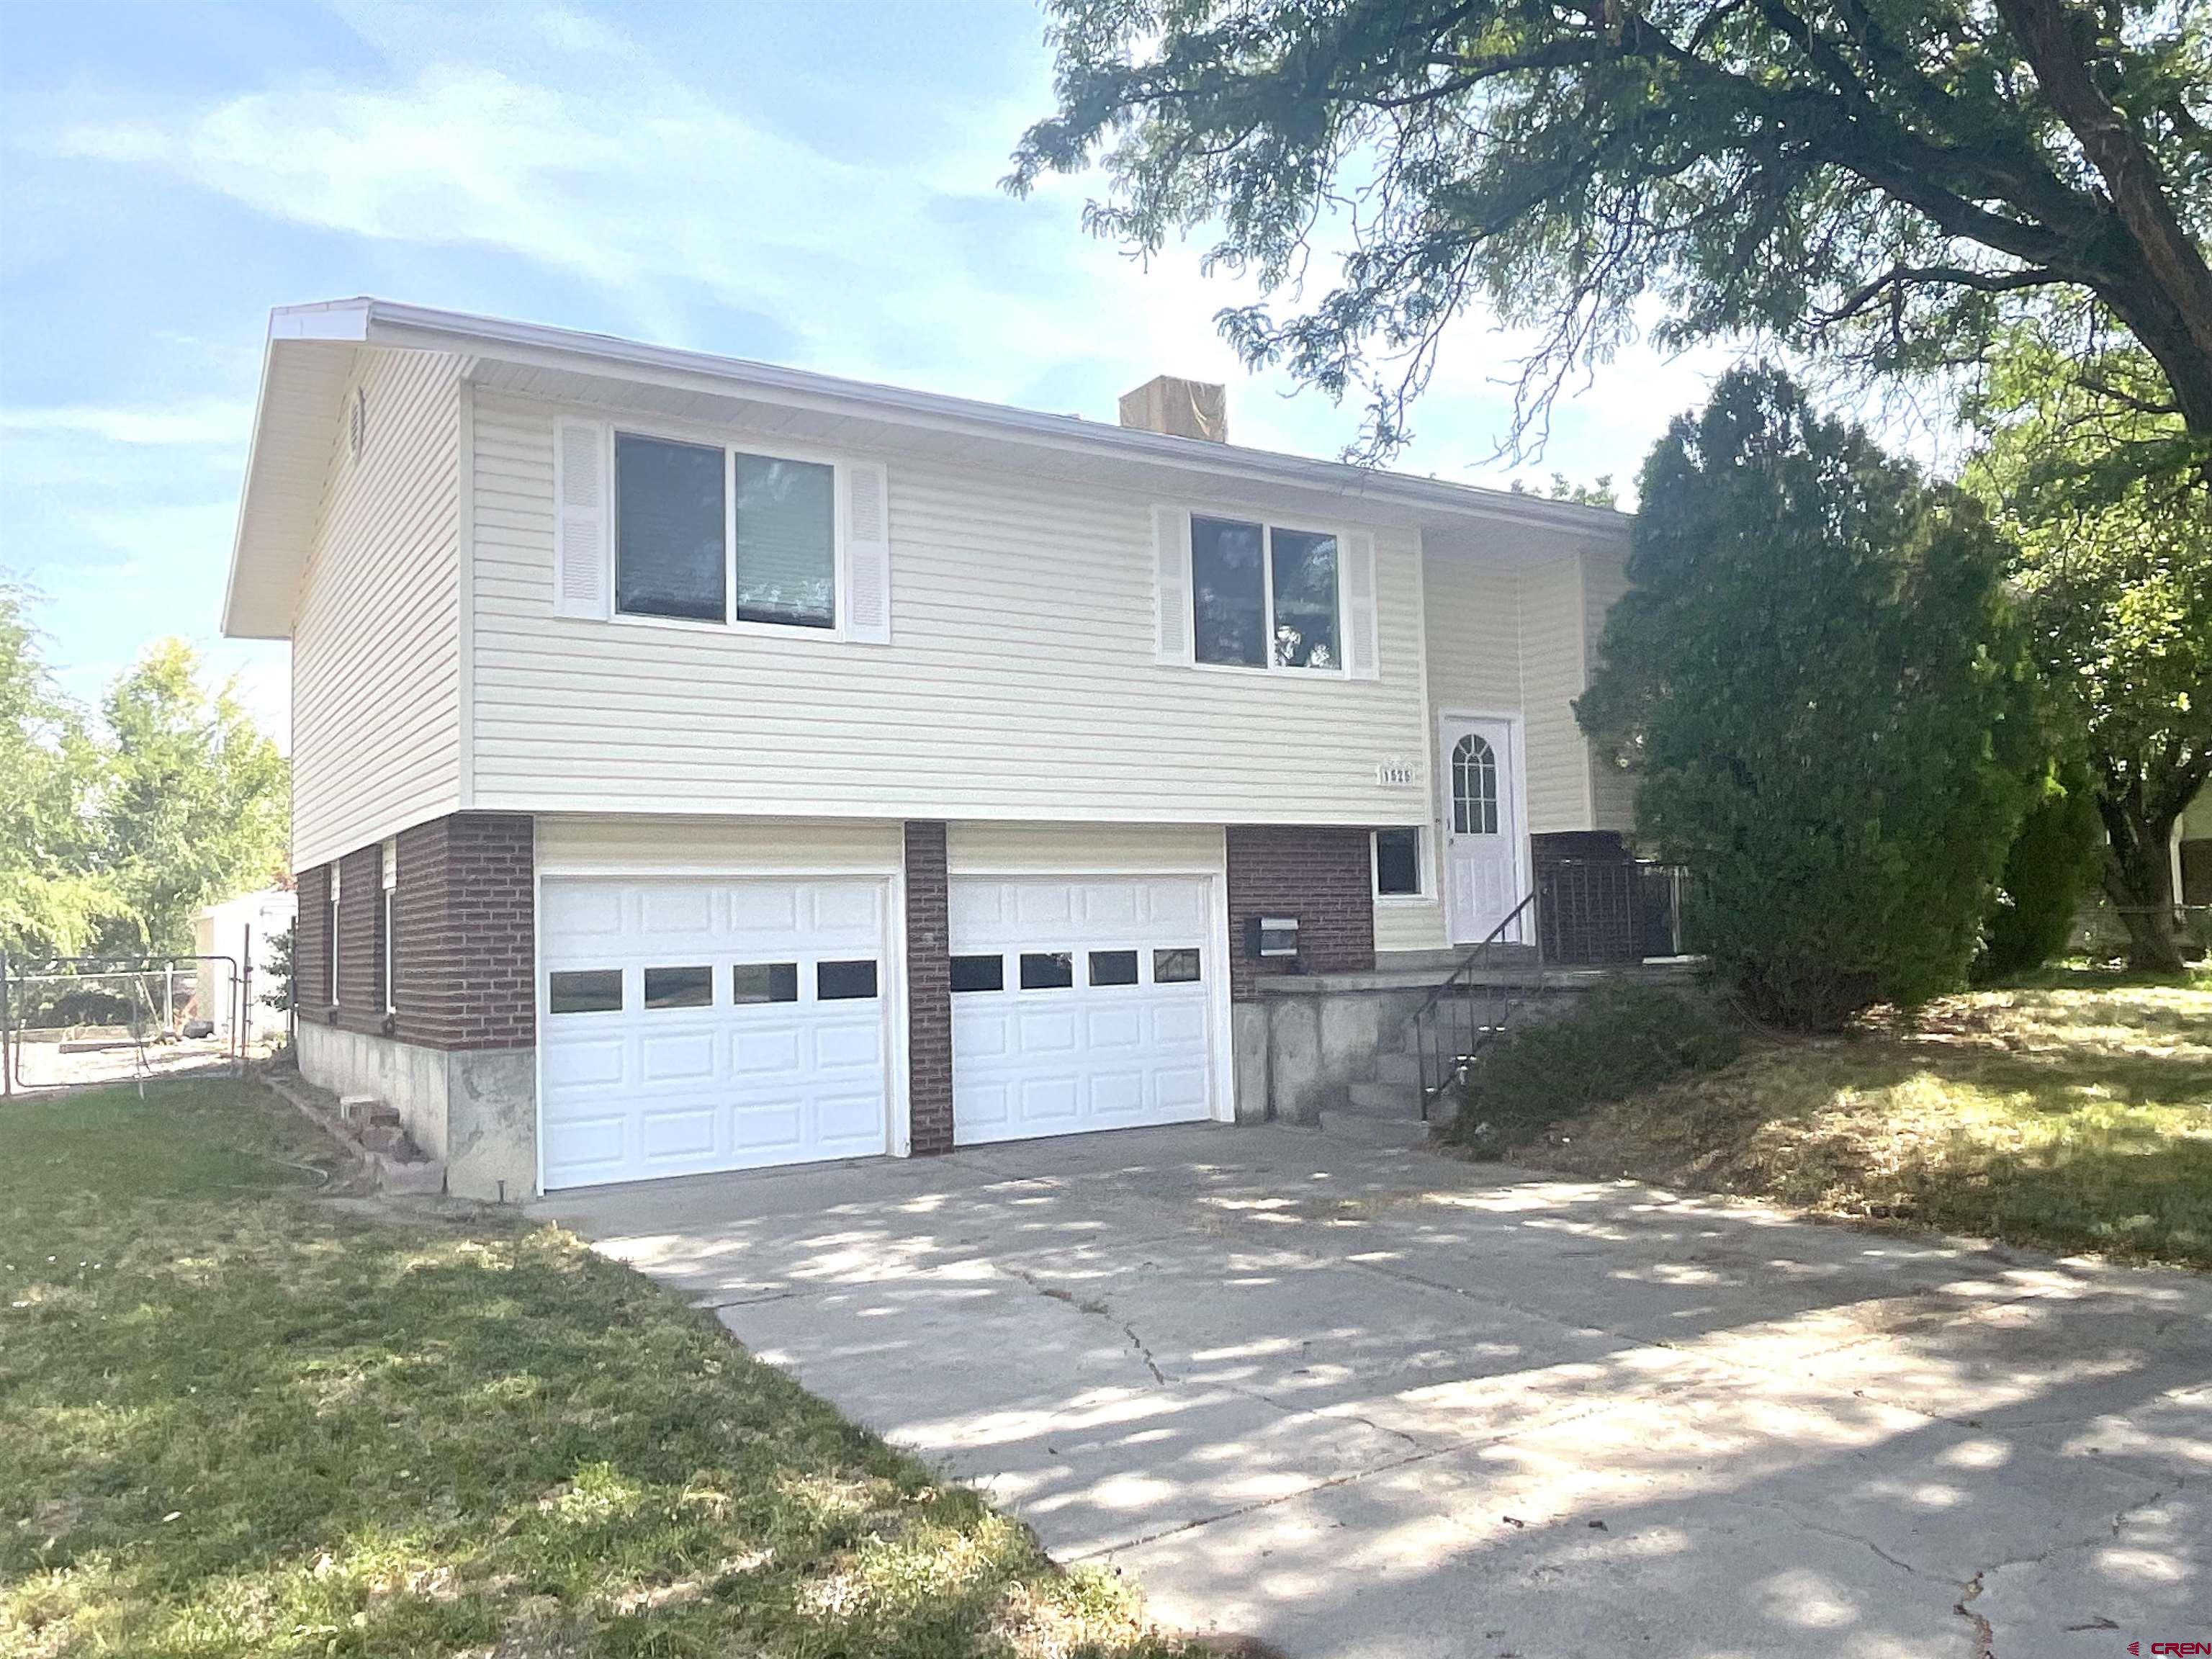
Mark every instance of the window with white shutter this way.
pixel 1171 592
pixel 867 552
pixel 580 537
pixel 1267 598
pixel 1363 654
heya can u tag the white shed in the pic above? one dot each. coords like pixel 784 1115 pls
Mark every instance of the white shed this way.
pixel 230 929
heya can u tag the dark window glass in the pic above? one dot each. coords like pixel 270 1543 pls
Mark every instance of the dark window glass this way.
pixel 786 561
pixel 844 982
pixel 1306 598
pixel 679 987
pixel 668 529
pixel 1174 967
pixel 979 973
pixel 1397 861
pixel 1229 599
pixel 1047 970
pixel 1113 967
pixel 763 982
pixel 585 991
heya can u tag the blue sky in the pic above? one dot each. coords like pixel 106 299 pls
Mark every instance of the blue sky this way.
pixel 815 185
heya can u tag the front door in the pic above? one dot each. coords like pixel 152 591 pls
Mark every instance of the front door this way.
pixel 1482 826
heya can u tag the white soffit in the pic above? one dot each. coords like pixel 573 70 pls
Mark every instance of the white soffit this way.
pixel 310 350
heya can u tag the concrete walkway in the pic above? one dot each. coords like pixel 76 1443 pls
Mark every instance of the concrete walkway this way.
pixel 1359 1401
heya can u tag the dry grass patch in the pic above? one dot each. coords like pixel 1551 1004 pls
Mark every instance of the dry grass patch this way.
pixel 2074 1114
pixel 238 1418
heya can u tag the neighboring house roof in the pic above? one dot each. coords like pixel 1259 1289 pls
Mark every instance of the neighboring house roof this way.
pixel 310 355
pixel 259 903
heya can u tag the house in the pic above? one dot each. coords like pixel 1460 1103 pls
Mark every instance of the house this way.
pixel 700 764
pixel 232 937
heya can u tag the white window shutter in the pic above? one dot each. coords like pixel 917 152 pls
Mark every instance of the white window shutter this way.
pixel 867 552
pixel 1363 658
pixel 1171 584
pixel 580 536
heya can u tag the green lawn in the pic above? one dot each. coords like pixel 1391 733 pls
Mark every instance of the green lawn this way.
pixel 2073 1113
pixel 237 1417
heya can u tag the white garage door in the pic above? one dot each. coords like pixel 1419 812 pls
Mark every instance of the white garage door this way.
pixel 1079 1005
pixel 693 1025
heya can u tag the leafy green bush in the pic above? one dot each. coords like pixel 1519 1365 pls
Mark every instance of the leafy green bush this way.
pixel 1827 702
pixel 2051 863
pixel 1621 1039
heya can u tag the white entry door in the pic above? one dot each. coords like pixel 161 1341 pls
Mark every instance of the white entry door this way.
pixel 692 1025
pixel 1080 1004
pixel 1482 826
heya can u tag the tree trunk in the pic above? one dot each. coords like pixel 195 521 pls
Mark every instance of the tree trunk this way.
pixel 2139 879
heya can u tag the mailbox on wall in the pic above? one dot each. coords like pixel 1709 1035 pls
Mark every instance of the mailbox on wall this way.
pixel 1271 937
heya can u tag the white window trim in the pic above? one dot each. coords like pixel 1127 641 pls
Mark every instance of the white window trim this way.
pixel 1424 842
pixel 840 586
pixel 1267 528
pixel 330 965
pixel 390 918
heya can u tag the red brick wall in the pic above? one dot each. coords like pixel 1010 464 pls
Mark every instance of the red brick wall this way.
pixel 928 991
pixel 361 939
pixel 310 949
pixel 466 957
pixel 1323 877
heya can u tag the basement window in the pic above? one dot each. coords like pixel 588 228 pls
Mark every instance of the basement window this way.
pixel 1398 863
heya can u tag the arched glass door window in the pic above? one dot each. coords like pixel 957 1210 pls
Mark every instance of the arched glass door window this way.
pixel 1475 788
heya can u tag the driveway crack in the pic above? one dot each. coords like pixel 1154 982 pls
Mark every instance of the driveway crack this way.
pixel 1097 1309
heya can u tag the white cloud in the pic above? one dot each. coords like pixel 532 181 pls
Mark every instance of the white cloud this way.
pixel 201 420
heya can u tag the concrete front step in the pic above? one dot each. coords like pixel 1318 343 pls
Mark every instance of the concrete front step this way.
pixel 1393 1066
pixel 1371 1129
pixel 1403 1099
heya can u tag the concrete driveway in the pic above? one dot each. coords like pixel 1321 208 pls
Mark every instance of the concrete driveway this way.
pixel 1359 1401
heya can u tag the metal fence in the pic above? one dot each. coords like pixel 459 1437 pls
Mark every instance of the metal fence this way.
pixel 1590 912
pixel 68 1021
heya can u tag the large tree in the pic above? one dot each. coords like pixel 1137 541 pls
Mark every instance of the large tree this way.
pixel 196 802
pixel 1891 180
pixel 2114 572
pixel 51 899
pixel 1827 699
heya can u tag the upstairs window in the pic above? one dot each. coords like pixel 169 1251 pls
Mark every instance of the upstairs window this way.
pixel 1264 597
pixel 705 534
pixel 669 524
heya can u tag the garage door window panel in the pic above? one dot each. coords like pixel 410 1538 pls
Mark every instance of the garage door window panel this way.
pixel 756 982
pixel 844 982
pixel 979 973
pixel 1175 967
pixel 1047 970
pixel 1113 967
pixel 679 987
pixel 585 991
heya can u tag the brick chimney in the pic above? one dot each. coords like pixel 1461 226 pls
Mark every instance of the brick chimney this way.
pixel 1181 408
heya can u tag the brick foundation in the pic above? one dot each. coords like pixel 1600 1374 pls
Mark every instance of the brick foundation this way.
pixel 1323 877
pixel 928 992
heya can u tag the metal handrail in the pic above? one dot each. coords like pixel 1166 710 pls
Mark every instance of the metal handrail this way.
pixel 1443 1062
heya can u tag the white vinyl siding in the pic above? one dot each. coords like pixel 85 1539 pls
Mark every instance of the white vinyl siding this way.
pixel 376 641
pixel 1605 579
pixel 1552 641
pixel 661 843
pixel 1091 848
pixel 1021 679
